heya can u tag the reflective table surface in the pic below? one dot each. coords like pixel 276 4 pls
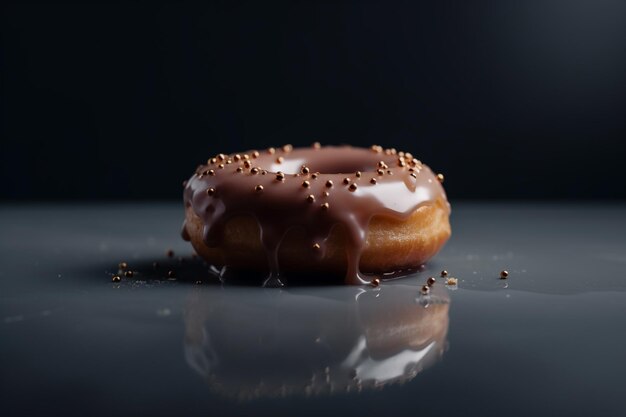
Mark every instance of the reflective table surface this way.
pixel 548 340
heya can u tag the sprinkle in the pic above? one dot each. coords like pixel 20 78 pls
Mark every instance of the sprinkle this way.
pixel 212 161
pixel 221 157
pixel 401 164
pixel 280 176
pixel 329 184
pixel 504 274
pixel 171 274
pixel 346 180
pixel 211 172
pixel 287 148
pixel 425 289
pixel 236 158
pixel 280 160
pixel 413 175
pixel 116 278
pixel 358 174
pixel 263 172
pixel 128 274
pixel 431 281
pixel 306 184
pixel 377 149
pixel 254 170
pixel 325 194
pixel 230 161
pixel 440 178
pixel 452 281
pixel 123 265
pixel 255 154
pixel 382 164
pixel 325 206
pixel 210 191
pixel 352 187
pixel 310 198
pixel 389 172
pixel 239 169
pixel 247 164
pixel 271 151
pixel 317 145
pixel 373 181
pixel 304 169
pixel 315 175
pixel 444 273
pixel 317 246
pixel 380 172
pixel 375 282
pixel 259 188
pixel 221 166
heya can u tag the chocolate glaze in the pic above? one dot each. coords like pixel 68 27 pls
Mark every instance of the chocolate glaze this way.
pixel 219 191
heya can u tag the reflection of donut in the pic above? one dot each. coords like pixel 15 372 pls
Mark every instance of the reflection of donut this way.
pixel 249 345
pixel 306 209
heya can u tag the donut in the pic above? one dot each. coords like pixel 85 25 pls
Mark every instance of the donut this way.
pixel 341 210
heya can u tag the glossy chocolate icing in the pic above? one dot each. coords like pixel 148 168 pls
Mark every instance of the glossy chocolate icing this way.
pixel 313 188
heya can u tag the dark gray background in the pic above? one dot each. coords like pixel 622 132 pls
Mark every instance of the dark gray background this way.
pixel 121 101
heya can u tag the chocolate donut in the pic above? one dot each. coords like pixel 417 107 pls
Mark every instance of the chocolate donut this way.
pixel 322 209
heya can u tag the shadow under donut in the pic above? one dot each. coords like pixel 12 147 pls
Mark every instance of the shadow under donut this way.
pixel 251 344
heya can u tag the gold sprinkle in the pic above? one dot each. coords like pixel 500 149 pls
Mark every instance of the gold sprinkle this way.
pixel 352 187
pixel 382 164
pixel 221 157
pixel 254 170
pixel 317 246
pixel 389 172
pixel 236 158
pixel 171 274
pixel 271 151
pixel 358 174
pixel 325 206
pixel 413 175
pixel 210 191
pixel 317 145
pixel 255 154
pixel 280 176
pixel 377 148
pixel 221 166
pixel 425 289
pixel 440 178
pixel 211 172
pixel 128 274
pixel 239 169
pixel 287 148
pixel 375 282
pixel 431 281
pixel 329 184
pixel 310 198
pixel 452 281
pixel 401 164
pixel 306 184
pixel 504 274
pixel 259 188
pixel 315 175
pixel 325 194
pixel 212 161
pixel 247 164
pixel 123 265
pixel 305 169
pixel 116 278
pixel 408 155
pixel 263 172
pixel 280 160
pixel 246 156
pixel 346 180
pixel 401 154
pixel 373 181
pixel 380 172
pixel 230 161
pixel 444 273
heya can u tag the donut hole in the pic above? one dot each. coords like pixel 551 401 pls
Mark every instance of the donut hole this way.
pixel 332 163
